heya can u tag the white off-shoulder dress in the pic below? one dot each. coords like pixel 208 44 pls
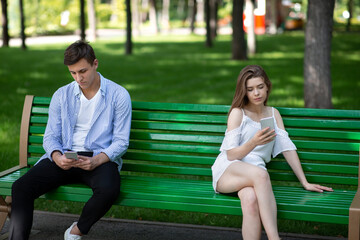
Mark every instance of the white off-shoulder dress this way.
pixel 259 156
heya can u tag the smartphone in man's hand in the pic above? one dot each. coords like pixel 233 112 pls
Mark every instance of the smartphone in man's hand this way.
pixel 71 155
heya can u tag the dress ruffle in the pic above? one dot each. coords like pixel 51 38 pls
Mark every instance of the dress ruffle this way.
pixel 282 142
pixel 232 139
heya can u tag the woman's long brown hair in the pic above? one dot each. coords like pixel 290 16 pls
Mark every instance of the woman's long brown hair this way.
pixel 251 71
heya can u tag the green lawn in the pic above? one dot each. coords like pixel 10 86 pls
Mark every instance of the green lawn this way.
pixel 175 69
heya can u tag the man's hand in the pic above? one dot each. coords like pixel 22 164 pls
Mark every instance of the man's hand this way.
pixel 90 163
pixel 63 162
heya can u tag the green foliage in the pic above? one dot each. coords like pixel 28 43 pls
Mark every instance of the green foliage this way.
pixel 43 17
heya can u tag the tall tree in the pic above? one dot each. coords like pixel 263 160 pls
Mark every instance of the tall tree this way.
pixel 153 16
pixel 350 6
pixel 5 24
pixel 207 9
pixel 136 15
pixel 318 34
pixel 82 20
pixel 128 44
pixel 273 17
pixel 92 18
pixel 213 18
pixel 165 18
pixel 192 14
pixel 22 24
pixel 251 42
pixel 238 35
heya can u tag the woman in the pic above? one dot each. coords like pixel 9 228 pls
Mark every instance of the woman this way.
pixel 240 167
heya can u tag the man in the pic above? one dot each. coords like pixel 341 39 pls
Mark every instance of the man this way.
pixel 91 116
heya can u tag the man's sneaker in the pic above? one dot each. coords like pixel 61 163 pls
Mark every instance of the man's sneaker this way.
pixel 69 236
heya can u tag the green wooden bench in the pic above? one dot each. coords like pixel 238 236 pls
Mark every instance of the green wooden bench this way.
pixel 173 146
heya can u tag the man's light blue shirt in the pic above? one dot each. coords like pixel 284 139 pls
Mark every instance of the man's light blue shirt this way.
pixel 110 127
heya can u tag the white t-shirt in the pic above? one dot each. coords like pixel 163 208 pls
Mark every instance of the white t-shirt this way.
pixel 83 122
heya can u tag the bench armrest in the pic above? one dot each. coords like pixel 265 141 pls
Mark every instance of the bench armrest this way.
pixel 10 170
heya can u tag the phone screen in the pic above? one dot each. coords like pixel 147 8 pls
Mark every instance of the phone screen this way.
pixel 267 122
pixel 71 155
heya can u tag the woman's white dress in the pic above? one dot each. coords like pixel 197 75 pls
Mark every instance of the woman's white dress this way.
pixel 259 156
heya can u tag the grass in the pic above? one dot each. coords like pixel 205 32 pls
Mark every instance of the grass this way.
pixel 175 69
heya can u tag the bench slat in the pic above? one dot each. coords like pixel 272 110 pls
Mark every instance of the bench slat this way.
pixel 191 148
pixel 316 167
pixel 178 117
pixel 323 134
pixel 161 157
pixel 181 107
pixel 326 145
pixel 316 123
pixel 178 126
pixel 176 137
pixel 314 178
pixel 315 112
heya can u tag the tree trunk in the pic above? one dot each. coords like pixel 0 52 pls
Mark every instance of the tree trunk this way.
pixel 136 17
pixel 144 5
pixel 318 34
pixel 92 19
pixel 165 15
pixel 82 20
pixel 350 6
pixel 238 36
pixel 251 42
pixel 153 16
pixel 5 24
pixel 192 15
pixel 213 18
pixel 273 17
pixel 128 44
pixel 208 42
pixel 22 24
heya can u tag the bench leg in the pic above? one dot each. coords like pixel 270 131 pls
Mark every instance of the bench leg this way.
pixel 5 209
pixel 354 218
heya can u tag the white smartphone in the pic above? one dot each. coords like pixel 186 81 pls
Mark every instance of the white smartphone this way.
pixel 71 155
pixel 267 122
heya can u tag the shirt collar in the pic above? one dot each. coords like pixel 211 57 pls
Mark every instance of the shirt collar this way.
pixel 77 91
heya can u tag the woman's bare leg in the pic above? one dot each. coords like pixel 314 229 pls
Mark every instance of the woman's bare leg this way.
pixel 251 225
pixel 239 175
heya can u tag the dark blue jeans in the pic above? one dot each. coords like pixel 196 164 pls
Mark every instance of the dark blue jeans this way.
pixel 46 176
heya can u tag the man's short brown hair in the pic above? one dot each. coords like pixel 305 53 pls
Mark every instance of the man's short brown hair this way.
pixel 78 50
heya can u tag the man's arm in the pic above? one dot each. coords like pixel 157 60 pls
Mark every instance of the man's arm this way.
pixel 121 127
pixel 52 138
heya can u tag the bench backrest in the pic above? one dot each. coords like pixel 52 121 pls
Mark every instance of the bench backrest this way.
pixel 182 141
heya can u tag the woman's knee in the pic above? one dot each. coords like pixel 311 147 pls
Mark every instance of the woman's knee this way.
pixel 249 202
pixel 261 176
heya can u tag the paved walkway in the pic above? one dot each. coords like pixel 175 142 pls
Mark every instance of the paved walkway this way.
pixel 51 226
pixel 104 34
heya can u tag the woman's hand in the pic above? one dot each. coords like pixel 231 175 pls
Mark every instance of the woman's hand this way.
pixel 317 188
pixel 263 136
